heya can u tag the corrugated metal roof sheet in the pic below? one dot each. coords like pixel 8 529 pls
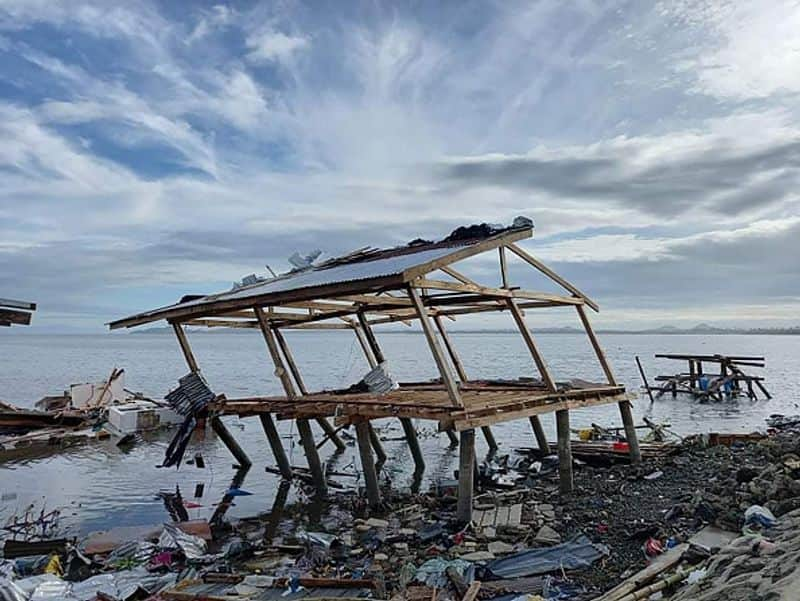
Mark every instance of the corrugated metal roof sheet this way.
pixel 393 262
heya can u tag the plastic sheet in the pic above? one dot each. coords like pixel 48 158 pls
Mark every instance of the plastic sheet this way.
pixel 577 553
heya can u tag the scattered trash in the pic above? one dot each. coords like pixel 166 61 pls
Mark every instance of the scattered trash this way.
pixel 576 553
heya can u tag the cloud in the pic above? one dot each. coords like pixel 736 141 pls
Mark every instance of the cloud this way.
pixel 274 46
pixel 666 176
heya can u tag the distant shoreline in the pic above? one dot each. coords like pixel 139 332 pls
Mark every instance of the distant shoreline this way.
pixel 668 330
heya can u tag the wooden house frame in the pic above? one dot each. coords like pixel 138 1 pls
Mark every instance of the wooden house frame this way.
pixel 371 287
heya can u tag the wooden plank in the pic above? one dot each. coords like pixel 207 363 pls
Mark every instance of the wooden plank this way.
pixel 515 515
pixel 436 350
pixel 502 515
pixel 531 260
pixel 531 344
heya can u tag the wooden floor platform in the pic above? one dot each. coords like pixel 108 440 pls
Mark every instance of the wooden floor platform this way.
pixel 485 403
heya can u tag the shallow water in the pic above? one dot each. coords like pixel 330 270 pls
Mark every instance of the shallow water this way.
pixel 99 486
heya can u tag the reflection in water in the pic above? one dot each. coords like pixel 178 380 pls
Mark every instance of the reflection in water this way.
pixel 96 485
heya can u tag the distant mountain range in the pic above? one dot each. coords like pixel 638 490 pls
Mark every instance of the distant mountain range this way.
pixel 702 328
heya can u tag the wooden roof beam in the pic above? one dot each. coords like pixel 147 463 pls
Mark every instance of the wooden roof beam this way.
pixel 534 262
pixel 495 292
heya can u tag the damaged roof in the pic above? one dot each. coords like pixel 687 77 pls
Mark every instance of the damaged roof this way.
pixel 362 271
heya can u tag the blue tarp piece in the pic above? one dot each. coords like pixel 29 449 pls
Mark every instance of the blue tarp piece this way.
pixel 579 552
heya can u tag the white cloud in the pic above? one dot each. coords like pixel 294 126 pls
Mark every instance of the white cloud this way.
pixel 274 46
pixel 748 49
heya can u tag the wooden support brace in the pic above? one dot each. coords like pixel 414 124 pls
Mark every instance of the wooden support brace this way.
pixel 180 333
pixel 598 350
pixel 323 423
pixel 229 441
pixel 275 444
pixel 367 464
pixel 466 476
pixel 370 336
pixel 531 344
pixel 451 434
pixel 413 443
pixel 436 350
pixel 541 437
pixel 362 340
pixel 565 484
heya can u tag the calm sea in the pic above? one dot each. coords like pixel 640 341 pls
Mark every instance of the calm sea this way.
pixel 97 485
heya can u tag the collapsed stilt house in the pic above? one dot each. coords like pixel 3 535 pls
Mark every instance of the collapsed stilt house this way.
pixel 15 312
pixel 418 282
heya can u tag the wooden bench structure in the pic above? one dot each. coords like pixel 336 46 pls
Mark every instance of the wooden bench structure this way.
pixel 15 312
pixel 417 282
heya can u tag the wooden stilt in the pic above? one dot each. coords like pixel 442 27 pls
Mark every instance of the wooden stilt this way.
pixel 466 476
pixel 375 441
pixel 227 438
pixel 303 427
pixel 644 380
pixel 413 443
pixel 541 437
pixel 462 374
pixel 452 436
pixel 564 452
pixel 312 456
pixel 367 464
pixel 275 444
pixel 323 423
pixel 630 431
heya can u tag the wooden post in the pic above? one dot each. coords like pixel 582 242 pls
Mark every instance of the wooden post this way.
pixel 624 406
pixel 275 443
pixel 303 427
pixel 438 355
pixel 565 485
pixel 413 443
pixel 466 476
pixel 367 464
pixel 462 374
pixel 644 380
pixel 531 343
pixel 227 438
pixel 187 350
pixel 452 436
pixel 541 437
pixel 375 441
pixel 692 382
pixel 323 423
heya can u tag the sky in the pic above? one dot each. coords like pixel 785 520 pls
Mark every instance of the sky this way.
pixel 150 150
